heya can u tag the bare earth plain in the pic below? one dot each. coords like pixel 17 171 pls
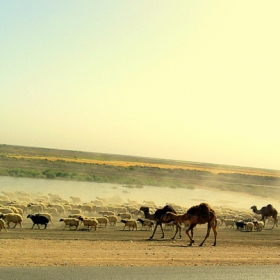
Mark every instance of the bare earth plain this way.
pixel 113 246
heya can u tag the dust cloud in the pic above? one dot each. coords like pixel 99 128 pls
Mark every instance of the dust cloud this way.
pixel 119 194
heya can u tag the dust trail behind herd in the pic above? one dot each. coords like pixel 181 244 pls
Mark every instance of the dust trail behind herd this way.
pixel 115 193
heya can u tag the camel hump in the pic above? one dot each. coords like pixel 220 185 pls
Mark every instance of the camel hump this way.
pixel 206 211
pixel 168 208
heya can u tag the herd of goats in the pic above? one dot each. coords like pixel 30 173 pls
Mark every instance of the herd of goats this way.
pixel 41 209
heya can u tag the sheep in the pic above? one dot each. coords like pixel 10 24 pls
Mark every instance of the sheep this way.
pixel 20 205
pixel 75 199
pixel 102 199
pixel 19 211
pixel 120 209
pixel 14 209
pixel 22 193
pixel 150 202
pixel 51 210
pixel 25 198
pixel 99 208
pixel 137 213
pixel 35 208
pixel 38 219
pixel 6 211
pixel 130 224
pixel 54 196
pixel 4 197
pixel 5 202
pixel 67 207
pixel 12 218
pixel 112 219
pixel 228 222
pixel 75 211
pixel 60 209
pixel 71 222
pixel 76 216
pixel 2 225
pixel 125 215
pixel 259 225
pixel 146 223
pixel 90 223
pixel 10 195
pixel 107 213
pixel 86 208
pixel 102 220
pixel 249 226
pixel 97 202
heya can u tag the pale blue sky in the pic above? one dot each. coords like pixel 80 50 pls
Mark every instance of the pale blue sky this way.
pixel 189 80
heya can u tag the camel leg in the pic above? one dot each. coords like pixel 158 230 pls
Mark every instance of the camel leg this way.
pixel 161 230
pixel 215 235
pixel 178 228
pixel 154 231
pixel 213 225
pixel 263 219
pixel 275 223
pixel 207 234
pixel 190 228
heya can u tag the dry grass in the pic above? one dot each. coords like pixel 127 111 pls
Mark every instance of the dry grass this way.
pixel 213 170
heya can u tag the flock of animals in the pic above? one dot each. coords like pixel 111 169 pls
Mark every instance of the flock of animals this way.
pixel 42 209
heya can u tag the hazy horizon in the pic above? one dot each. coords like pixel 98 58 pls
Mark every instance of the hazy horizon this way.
pixel 196 81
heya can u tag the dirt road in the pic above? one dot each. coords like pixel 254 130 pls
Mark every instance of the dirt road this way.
pixel 114 247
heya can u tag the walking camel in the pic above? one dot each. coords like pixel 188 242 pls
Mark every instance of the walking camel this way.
pixel 199 214
pixel 267 211
pixel 159 218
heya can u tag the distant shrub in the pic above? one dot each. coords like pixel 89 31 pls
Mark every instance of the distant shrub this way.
pixel 49 174
pixel 62 174
pixel 35 174
pixel 95 178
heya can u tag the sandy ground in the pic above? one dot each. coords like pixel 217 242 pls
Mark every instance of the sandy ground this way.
pixel 111 246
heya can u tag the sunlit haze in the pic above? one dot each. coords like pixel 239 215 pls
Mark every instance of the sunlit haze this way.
pixel 187 80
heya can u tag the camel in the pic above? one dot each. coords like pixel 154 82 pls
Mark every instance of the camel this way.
pixel 199 214
pixel 267 211
pixel 159 218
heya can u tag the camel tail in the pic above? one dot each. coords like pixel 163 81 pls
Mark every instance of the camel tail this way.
pixel 216 223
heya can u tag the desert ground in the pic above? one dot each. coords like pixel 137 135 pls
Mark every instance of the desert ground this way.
pixel 113 246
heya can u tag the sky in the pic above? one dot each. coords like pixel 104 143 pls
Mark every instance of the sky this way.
pixel 185 80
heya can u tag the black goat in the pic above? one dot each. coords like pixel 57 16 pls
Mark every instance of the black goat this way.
pixel 240 225
pixel 39 220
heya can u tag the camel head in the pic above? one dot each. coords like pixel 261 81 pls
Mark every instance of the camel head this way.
pixel 144 209
pixel 254 208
